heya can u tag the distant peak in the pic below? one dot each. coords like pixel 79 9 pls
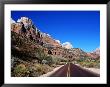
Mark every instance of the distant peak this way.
pixel 97 51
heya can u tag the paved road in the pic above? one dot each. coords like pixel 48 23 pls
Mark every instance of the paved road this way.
pixel 71 70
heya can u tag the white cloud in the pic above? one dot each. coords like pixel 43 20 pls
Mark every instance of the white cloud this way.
pixel 19 20
pixel 49 35
pixel 57 41
pixel 12 21
pixel 67 45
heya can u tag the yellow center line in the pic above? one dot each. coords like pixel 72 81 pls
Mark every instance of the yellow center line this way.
pixel 68 71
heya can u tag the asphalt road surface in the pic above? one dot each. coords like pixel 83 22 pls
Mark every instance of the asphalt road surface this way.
pixel 71 70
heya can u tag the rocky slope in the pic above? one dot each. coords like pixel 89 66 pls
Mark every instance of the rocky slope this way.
pixel 31 38
pixel 48 40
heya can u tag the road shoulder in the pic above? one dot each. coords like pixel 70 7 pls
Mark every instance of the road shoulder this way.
pixel 50 73
pixel 94 70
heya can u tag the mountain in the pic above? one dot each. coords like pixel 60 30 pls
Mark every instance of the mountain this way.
pixel 95 53
pixel 25 26
pixel 26 39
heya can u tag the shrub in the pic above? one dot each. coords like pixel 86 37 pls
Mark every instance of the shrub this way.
pixel 20 71
pixel 49 60
pixel 89 62
pixel 38 69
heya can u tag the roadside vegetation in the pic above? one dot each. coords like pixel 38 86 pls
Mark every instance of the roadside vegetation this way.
pixel 89 62
pixel 28 58
pixel 33 68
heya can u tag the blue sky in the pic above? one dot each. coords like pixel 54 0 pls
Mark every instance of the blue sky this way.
pixel 80 28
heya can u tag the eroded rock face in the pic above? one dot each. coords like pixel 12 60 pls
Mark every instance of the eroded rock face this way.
pixel 16 27
pixel 49 40
pixel 24 26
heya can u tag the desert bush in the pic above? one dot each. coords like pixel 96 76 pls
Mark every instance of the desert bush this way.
pixel 30 70
pixel 59 60
pixel 49 60
pixel 89 62
pixel 20 71
pixel 38 69
pixel 35 70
